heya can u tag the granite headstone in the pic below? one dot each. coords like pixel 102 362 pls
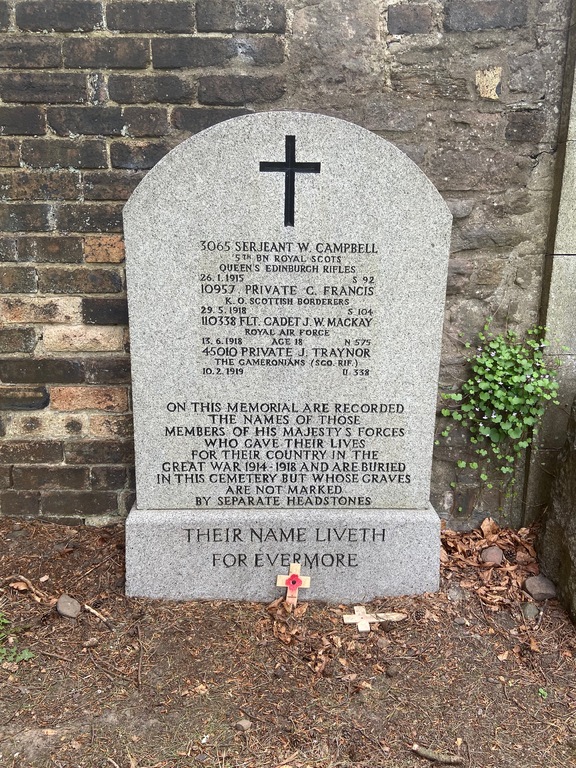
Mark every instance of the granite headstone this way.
pixel 286 280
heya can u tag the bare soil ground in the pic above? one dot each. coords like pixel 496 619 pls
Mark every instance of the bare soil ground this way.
pixel 164 684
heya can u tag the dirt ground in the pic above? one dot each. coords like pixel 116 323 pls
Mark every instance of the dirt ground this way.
pixel 472 673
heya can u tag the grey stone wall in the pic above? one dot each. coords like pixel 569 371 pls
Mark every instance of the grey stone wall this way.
pixel 557 544
pixel 472 92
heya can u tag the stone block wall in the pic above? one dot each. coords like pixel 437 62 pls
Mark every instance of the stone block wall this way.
pixel 94 93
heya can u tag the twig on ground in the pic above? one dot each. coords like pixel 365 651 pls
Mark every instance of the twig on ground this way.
pixel 108 669
pixel 540 616
pixel 115 764
pixel 251 716
pixel 55 656
pixel 98 666
pixel 140 652
pixel 437 757
pixel 98 615
pixel 94 567
pixel 287 760
pixel 38 595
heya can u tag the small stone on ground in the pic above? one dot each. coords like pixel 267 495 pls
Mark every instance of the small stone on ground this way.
pixel 492 555
pixel 540 588
pixel 69 607
pixel 530 611
pixel 243 725
pixel 456 594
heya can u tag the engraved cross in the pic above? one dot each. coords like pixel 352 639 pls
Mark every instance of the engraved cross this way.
pixel 289 168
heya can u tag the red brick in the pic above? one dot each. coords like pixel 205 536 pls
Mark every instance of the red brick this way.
pixel 111 399
pixel 86 121
pixel 50 249
pixel 111 426
pixel 35 370
pixel 97 311
pixel 108 478
pixel 83 338
pixel 146 121
pixel 43 87
pixel 78 280
pixel 195 119
pixel 115 370
pixel 31 452
pixel 137 156
pixel 25 51
pixel 22 120
pixel 185 52
pixel 38 477
pixel 17 339
pixel 246 16
pixel 100 452
pixel 110 185
pixel 23 398
pixel 40 185
pixel 237 90
pixel 82 503
pixel 48 425
pixel 40 310
pixel 104 249
pixel 8 249
pixel 25 217
pixel 143 89
pixel 64 153
pixel 105 52
pixel 19 503
pixel 17 279
pixel 89 217
pixel 150 16
pixel 59 15
pixel 9 153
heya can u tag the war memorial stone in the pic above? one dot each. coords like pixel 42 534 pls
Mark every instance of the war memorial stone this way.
pixel 286 280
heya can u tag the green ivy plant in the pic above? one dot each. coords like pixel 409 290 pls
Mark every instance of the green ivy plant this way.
pixel 9 650
pixel 504 398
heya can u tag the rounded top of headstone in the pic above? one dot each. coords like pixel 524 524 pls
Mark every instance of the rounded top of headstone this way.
pixel 351 156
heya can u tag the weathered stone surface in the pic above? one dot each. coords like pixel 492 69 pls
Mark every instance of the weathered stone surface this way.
pixel 493 555
pixel 323 215
pixel 530 611
pixel 187 565
pixel 557 544
pixel 469 15
pixel 540 588
pixel 409 19
pixel 68 606
pixel 253 446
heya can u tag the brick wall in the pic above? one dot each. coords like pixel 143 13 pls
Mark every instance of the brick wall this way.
pixel 94 93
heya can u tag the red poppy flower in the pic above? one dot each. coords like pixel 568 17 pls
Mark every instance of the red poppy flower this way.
pixel 293 581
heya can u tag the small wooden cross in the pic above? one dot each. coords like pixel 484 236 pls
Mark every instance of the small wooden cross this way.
pixel 363 619
pixel 293 582
pixel 360 618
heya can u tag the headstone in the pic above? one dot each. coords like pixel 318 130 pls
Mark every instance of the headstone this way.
pixel 286 280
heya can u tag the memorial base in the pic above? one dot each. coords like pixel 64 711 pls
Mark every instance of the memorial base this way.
pixel 350 555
